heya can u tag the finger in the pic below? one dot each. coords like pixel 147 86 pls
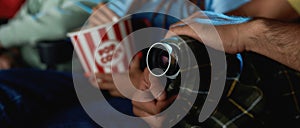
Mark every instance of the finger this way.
pixel 161 95
pixel 104 77
pixel 155 85
pixel 142 86
pixel 184 27
pixel 177 30
pixel 148 107
pixel 135 63
pixel 176 24
pixel 145 103
pixel 107 86
pixel 162 105
pixel 156 88
pixel 140 113
pixel 154 107
pixel 190 19
pixel 93 81
pixel 146 78
pixel 185 30
pixel 165 103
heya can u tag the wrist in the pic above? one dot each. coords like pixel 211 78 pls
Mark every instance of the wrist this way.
pixel 252 34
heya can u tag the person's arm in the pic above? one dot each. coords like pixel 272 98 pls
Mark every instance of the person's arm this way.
pixel 274 9
pixel 277 40
pixel 274 39
pixel 50 23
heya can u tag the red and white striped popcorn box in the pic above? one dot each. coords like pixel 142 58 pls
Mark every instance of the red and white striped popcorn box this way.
pixel 105 48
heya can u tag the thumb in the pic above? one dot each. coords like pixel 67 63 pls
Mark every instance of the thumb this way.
pixel 157 87
pixel 179 29
pixel 135 63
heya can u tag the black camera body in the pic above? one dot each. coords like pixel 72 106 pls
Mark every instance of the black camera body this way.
pixel 157 59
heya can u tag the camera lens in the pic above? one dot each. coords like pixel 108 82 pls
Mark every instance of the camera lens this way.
pixel 162 61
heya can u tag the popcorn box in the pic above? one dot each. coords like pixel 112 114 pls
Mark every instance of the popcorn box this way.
pixel 105 48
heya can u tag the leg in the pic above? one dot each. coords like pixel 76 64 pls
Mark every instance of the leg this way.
pixel 30 96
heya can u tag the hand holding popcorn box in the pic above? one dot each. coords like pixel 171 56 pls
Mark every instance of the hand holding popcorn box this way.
pixel 99 48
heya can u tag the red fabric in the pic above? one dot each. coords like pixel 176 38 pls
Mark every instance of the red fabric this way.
pixel 8 8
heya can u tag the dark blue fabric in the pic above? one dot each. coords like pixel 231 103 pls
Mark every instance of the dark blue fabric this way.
pixel 27 97
pixel 35 98
pixel 75 117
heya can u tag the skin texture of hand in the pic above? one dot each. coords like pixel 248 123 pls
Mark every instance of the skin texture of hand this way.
pixel 102 15
pixel 106 81
pixel 229 34
pixel 150 111
pixel 274 39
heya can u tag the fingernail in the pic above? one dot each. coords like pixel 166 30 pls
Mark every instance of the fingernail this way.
pixel 140 55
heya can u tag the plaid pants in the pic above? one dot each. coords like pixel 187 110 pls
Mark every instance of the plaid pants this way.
pixel 265 95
